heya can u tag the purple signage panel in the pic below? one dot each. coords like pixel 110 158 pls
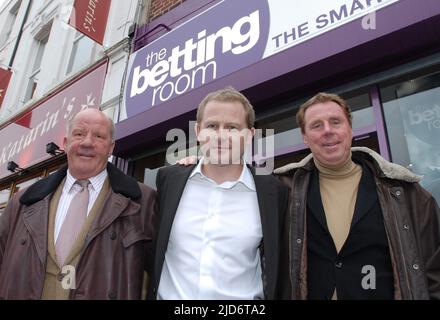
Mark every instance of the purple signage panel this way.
pixel 227 37
pixel 214 44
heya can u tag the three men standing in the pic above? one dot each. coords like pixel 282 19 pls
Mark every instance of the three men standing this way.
pixel 357 227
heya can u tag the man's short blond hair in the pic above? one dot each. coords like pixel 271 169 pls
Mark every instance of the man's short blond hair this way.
pixel 228 94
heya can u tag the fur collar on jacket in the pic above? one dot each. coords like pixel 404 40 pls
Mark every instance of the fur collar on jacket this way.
pixel 389 169
pixel 119 182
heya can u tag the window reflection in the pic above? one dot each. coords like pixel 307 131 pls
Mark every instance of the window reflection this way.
pixel 412 115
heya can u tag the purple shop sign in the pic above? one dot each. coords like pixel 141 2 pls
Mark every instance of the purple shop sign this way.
pixel 213 44
pixel 230 36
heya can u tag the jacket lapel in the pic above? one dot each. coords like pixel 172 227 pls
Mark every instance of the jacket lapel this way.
pixel 35 218
pixel 268 205
pixel 314 201
pixel 115 205
pixel 52 214
pixel 170 193
pixel 366 192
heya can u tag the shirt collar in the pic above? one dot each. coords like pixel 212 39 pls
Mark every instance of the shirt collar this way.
pixel 245 178
pixel 96 181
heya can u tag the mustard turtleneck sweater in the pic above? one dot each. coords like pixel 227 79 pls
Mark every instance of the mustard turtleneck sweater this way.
pixel 339 187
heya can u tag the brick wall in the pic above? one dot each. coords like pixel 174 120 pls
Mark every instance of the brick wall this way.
pixel 159 7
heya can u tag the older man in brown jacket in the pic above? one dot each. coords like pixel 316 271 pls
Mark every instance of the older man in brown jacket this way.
pixel 107 255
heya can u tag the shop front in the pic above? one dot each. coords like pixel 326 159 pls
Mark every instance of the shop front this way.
pixel 31 143
pixel 382 56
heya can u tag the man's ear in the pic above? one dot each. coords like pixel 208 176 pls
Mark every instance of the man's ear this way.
pixel 306 141
pixel 250 135
pixel 197 130
pixel 64 143
pixel 111 148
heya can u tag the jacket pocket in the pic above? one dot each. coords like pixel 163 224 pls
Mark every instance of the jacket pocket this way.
pixel 134 236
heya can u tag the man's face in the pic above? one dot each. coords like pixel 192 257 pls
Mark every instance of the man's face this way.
pixel 223 132
pixel 88 144
pixel 328 133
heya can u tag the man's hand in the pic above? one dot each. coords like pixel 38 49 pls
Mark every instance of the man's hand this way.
pixel 187 161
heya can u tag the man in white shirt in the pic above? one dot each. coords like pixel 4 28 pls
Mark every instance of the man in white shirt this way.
pixel 218 223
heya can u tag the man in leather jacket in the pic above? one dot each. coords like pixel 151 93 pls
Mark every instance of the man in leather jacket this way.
pixel 359 226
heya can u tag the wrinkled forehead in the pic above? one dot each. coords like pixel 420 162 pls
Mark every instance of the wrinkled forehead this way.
pixel 90 122
pixel 326 110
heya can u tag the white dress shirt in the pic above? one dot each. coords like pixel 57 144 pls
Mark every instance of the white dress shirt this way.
pixel 213 250
pixel 69 191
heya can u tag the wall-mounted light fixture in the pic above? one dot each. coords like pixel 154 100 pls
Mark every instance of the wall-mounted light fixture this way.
pixel 53 149
pixel 13 167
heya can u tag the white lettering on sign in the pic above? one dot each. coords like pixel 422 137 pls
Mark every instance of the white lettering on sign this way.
pixel 291 26
pixel 41 129
pixel 90 18
pixel 192 63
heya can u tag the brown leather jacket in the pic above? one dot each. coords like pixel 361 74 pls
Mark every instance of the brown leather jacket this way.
pixel 115 253
pixel 411 218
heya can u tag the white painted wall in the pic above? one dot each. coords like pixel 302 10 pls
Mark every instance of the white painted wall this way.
pixel 58 50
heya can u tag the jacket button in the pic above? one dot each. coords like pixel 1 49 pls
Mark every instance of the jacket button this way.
pixel 112 295
pixel 398 193
pixel 23 241
pixel 113 235
pixel 299 241
pixel 415 266
pixel 406 227
pixel 338 264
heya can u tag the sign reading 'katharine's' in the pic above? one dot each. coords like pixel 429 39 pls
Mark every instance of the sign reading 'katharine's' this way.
pixel 207 47
pixel 90 18
pixel 24 141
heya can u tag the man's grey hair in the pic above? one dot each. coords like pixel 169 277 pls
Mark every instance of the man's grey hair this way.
pixel 110 120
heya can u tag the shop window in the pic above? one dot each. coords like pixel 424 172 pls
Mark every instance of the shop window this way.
pixel 36 69
pixel 145 168
pixel 412 116
pixel 4 197
pixel 81 54
pixel 9 23
pixel 24 184
pixel 150 177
